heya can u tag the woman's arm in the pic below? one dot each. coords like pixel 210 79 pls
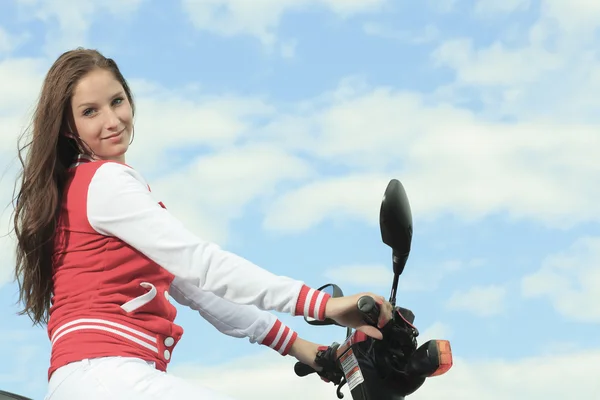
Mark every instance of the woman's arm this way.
pixel 120 204
pixel 241 321
pixel 235 320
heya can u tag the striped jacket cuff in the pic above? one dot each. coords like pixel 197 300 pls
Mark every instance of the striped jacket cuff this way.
pixel 311 303
pixel 280 338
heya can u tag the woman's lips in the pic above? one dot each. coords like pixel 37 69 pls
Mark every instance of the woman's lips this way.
pixel 115 135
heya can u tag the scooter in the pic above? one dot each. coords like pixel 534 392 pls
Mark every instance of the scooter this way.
pixel 11 396
pixel 394 367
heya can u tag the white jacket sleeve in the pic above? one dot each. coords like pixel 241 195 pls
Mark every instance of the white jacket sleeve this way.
pixel 235 320
pixel 120 204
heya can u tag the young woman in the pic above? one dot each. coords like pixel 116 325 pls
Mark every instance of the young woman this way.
pixel 98 257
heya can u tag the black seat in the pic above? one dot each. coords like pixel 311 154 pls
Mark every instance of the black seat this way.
pixel 11 396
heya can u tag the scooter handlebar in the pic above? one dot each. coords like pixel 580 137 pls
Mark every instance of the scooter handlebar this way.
pixel 369 309
pixel 302 369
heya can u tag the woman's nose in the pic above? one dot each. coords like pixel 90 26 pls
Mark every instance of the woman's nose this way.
pixel 112 120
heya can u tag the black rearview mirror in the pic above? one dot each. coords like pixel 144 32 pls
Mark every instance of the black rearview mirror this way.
pixel 334 291
pixel 395 220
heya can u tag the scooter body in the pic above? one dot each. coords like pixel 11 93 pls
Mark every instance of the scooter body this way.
pixel 11 396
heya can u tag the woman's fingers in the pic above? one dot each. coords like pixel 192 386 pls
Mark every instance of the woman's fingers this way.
pixel 371 331
pixel 385 310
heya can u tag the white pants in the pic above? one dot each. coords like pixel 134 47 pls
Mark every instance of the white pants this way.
pixel 120 378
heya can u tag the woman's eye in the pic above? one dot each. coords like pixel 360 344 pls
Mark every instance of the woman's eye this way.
pixel 118 101
pixel 87 112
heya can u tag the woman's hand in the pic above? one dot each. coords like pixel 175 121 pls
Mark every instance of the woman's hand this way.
pixel 305 352
pixel 344 311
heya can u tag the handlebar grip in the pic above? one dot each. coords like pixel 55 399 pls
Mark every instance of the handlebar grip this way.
pixel 369 309
pixel 302 369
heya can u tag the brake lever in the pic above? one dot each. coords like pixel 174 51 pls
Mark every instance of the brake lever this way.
pixel 326 358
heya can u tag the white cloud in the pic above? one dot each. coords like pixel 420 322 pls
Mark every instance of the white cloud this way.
pixel 24 352
pixel 427 35
pixel 364 275
pixel 482 301
pixel 10 41
pixel 414 279
pixel 20 83
pixel 570 280
pixel 9 165
pixel 572 376
pixel 261 18
pixel 20 80
pixel 437 331
pixel 73 19
pixel 442 6
pixel 24 355
pixel 574 17
pixel 210 191
pixel 6 43
pixel 344 199
pixel 184 119
pixel 528 378
pixel 546 70
pixel 7 241
pixel 428 278
pixel 221 184
pixel 450 160
pixel 288 49
pixel 214 189
pixel 496 7
pixel 346 8
pixel 496 65
pixel 273 379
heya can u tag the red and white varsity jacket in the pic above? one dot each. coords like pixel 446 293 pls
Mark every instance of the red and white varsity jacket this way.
pixel 118 257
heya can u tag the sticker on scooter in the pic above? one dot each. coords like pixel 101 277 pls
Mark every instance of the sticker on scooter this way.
pixel 354 375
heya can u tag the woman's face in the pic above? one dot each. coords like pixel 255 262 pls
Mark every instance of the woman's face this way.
pixel 102 115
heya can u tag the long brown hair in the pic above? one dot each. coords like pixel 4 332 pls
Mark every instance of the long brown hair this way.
pixel 52 146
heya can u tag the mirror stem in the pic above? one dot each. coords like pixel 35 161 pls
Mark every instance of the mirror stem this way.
pixel 394 289
pixel 399 261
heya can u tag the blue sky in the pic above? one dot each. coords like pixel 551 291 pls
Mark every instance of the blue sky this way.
pixel 273 129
